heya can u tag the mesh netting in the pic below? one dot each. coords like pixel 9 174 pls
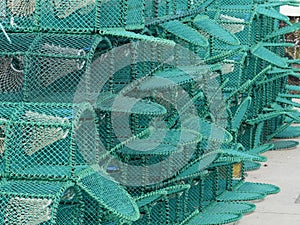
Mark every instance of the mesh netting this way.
pixel 139 112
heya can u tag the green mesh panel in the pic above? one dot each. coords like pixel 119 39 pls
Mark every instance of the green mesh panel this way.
pixel 269 56
pixel 215 30
pixel 258 188
pixel 290 132
pixel 111 14
pixel 209 189
pixel 61 15
pixel 184 32
pixel 31 201
pixel 27 153
pixel 110 195
pixel 239 196
pixel 230 207
pixel 240 113
pixel 284 144
pixel 225 177
pixel 135 15
pixel 92 210
pixel 249 166
pixel 113 103
pixel 195 194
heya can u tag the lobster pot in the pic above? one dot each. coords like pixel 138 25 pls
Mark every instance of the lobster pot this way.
pixel 53 202
pixel 272 127
pixel 142 172
pixel 14 64
pixel 44 68
pixel 72 15
pixel 250 27
pixel 39 138
pixel 139 120
pixel 56 69
pixel 39 142
pixel 273 88
pixel 30 202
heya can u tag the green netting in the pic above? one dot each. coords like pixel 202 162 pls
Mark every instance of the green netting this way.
pixel 228 196
pixel 236 156
pixel 269 56
pixel 114 103
pixel 240 113
pixel 110 195
pixel 72 15
pixel 31 201
pixel 261 149
pixel 40 139
pixel 249 166
pixel 44 68
pixel 284 144
pixel 230 207
pixel 257 188
pixel 91 133
pixel 290 132
pixel 215 30
pixel 172 77
pixel 184 32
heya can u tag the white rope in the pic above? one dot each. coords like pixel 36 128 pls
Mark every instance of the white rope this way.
pixel 6 35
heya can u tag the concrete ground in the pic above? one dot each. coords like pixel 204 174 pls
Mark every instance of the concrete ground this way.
pixel 283 170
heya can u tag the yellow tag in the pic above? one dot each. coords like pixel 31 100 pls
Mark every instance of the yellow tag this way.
pixel 237 170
